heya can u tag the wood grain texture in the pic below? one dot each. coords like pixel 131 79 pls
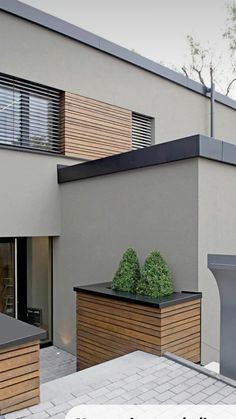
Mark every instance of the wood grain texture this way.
pixel 109 328
pixel 92 129
pixel 19 377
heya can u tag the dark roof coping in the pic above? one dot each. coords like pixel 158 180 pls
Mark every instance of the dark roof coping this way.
pixel 15 332
pixel 62 27
pixel 172 151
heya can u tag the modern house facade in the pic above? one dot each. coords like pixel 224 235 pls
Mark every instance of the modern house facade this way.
pixel 69 98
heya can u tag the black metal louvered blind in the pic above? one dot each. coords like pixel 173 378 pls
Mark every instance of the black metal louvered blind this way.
pixel 141 131
pixel 29 114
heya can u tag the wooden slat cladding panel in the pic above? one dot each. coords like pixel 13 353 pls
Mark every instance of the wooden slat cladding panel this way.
pixel 19 377
pixel 92 129
pixel 108 328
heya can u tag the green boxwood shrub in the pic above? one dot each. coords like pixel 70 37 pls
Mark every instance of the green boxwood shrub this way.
pixel 155 280
pixel 128 272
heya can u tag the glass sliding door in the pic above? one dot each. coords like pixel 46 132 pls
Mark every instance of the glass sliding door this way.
pixel 26 281
pixel 7 277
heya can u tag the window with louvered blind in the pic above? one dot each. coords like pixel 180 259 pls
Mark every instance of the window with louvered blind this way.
pixel 29 115
pixel 142 131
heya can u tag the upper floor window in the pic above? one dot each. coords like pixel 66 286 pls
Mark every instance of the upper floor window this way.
pixel 142 131
pixel 29 114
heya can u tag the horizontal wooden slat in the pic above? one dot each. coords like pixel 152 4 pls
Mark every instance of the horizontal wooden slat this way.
pixel 141 334
pixel 10 364
pixel 167 309
pixel 178 317
pixel 27 403
pixel 189 349
pixel 114 345
pixel 123 342
pixel 114 309
pixel 21 346
pixel 82 140
pixel 193 355
pixel 17 372
pixel 120 321
pixel 86 135
pixel 138 307
pixel 187 322
pixel 18 352
pixel 176 327
pixel 92 129
pixel 121 330
pixel 131 324
pixel 107 328
pixel 136 341
pixel 98 148
pixel 19 377
pixel 109 123
pixel 180 342
pixel 19 388
pixel 179 335
pixel 116 337
pixel 16 400
pixel 100 349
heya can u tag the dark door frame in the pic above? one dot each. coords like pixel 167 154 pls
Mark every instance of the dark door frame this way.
pixel 20 280
pixel 21 277
pixel 12 240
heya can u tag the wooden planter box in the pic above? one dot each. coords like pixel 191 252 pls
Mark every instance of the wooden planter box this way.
pixel 111 324
pixel 19 377
pixel 19 364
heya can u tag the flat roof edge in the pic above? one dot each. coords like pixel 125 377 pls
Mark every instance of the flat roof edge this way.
pixel 62 27
pixel 172 151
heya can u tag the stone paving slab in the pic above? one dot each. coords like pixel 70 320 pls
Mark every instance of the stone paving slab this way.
pixel 55 363
pixel 137 378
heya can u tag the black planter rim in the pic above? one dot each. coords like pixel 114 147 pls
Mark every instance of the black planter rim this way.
pixel 104 290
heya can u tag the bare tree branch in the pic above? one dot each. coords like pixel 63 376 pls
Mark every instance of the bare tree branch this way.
pixel 207 64
pixel 230 86
pixel 185 71
pixel 199 73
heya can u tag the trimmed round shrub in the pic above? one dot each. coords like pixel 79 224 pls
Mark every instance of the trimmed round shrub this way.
pixel 128 272
pixel 155 280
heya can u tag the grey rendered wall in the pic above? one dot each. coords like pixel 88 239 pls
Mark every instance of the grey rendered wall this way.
pixel 147 208
pixel 225 123
pixel 38 54
pixel 217 234
pixel 29 203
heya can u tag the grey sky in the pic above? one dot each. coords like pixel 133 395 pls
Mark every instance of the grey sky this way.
pixel 155 28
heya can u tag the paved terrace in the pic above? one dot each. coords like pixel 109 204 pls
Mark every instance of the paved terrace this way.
pixel 55 363
pixel 137 378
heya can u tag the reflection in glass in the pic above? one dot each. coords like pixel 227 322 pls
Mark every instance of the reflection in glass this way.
pixel 10 115
pixel 39 124
pixel 7 278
